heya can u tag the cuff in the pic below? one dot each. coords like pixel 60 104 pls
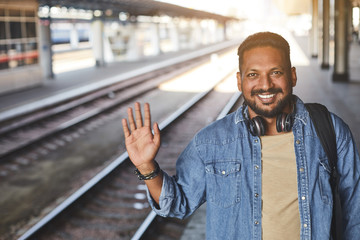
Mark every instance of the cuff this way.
pixel 166 197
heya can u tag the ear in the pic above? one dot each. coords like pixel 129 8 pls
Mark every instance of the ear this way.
pixel 238 76
pixel 293 76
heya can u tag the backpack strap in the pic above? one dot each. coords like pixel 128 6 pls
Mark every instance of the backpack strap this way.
pixel 324 127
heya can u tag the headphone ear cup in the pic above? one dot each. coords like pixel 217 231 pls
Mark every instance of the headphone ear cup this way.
pixel 257 126
pixel 288 122
pixel 284 122
pixel 279 122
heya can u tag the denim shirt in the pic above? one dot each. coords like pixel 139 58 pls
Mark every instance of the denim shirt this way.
pixel 222 166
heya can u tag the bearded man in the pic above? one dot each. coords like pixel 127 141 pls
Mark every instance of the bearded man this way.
pixel 262 169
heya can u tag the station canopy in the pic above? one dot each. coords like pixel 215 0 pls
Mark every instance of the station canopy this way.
pixel 135 8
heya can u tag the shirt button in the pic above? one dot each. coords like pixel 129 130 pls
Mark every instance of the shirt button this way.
pixel 223 172
pixel 256 141
pixel 301 169
pixel 303 198
pixel 256 167
pixel 297 141
pixel 256 222
pixel 256 194
pixel 305 225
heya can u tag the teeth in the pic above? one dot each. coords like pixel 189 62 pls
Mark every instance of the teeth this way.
pixel 266 96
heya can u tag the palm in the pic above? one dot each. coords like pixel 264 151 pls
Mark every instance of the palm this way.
pixel 142 146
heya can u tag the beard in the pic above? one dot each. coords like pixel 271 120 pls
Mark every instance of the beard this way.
pixel 280 105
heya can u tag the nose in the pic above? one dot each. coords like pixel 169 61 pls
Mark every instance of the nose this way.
pixel 265 82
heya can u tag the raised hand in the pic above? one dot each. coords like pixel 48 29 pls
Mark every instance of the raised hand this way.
pixel 141 144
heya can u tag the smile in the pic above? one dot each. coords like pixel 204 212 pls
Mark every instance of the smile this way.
pixel 266 96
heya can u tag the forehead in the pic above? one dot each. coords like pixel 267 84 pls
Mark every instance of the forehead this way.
pixel 263 56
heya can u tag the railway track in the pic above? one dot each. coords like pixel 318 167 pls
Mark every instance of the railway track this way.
pixel 113 204
pixel 41 175
pixel 23 131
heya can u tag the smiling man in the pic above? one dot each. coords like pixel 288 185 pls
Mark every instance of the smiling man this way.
pixel 262 169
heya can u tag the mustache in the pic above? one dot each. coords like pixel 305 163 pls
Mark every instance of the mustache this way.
pixel 270 91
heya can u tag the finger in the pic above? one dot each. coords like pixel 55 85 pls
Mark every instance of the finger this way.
pixel 131 119
pixel 125 128
pixel 138 116
pixel 147 115
pixel 156 134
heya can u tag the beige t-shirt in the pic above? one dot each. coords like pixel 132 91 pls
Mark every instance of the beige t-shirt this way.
pixel 280 207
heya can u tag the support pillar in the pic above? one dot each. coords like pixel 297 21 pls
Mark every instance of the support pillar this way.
pixel 174 37
pixel 98 42
pixel 74 37
pixel 134 48
pixel 198 34
pixel 326 35
pixel 220 32
pixel 350 22
pixel 359 27
pixel 225 32
pixel 341 45
pixel 155 38
pixel 314 30
pixel 45 49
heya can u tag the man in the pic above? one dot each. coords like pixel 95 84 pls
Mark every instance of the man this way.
pixel 262 169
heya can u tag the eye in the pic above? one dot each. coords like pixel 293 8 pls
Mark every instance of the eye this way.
pixel 277 73
pixel 251 75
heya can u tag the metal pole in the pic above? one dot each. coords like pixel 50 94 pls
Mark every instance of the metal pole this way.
pixel 326 35
pixel 314 30
pixel 46 48
pixel 341 46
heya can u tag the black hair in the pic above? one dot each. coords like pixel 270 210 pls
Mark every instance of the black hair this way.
pixel 265 39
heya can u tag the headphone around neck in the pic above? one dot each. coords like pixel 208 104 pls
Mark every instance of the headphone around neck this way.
pixel 257 125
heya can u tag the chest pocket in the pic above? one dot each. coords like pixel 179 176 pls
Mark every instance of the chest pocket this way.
pixel 223 182
pixel 324 181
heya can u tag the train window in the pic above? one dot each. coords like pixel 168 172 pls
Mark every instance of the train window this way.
pixel 3 57
pixel 17 47
pixel 18 35
pixel 2 30
pixel 15 30
pixel 31 53
pixel 14 12
pixel 29 13
pixel 21 61
pixel 3 48
pixel 30 29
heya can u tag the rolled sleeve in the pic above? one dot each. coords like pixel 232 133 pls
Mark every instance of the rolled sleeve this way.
pixel 166 197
